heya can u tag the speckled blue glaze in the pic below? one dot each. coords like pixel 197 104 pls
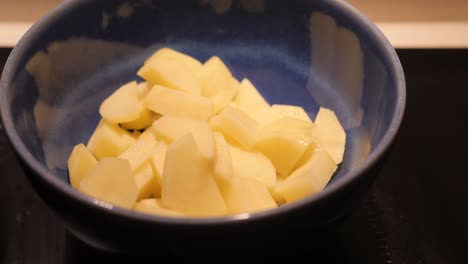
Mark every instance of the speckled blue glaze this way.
pixel 307 53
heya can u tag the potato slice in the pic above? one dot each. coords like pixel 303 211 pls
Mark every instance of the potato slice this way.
pixel 311 177
pixel 173 69
pixel 165 101
pixel 150 132
pixel 139 152
pixel 146 182
pixel 109 140
pixel 142 89
pixel 284 142
pixel 248 99
pixel 214 76
pixel 121 106
pixel 157 161
pixel 144 120
pixel 154 206
pixel 276 193
pixel 188 183
pixel 170 128
pixel 293 111
pixel 185 60
pixel 264 116
pixel 223 169
pixel 253 165
pixel 111 181
pixel 244 195
pixel 224 97
pixel 329 133
pixel 80 163
pixel 236 125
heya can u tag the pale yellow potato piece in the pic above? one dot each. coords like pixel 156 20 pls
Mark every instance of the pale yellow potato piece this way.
pixel 276 193
pixel 80 163
pixel 224 97
pixel 188 183
pixel 174 70
pixel 248 99
pixel 166 101
pixel 154 206
pixel 109 140
pixel 244 195
pixel 264 116
pixel 253 165
pixel 284 141
pixel 111 181
pixel 170 128
pixel 281 110
pixel 146 182
pixel 142 89
pixel 186 60
pixel 329 133
pixel 214 77
pixel 237 126
pixel 311 177
pixel 139 152
pixel 223 169
pixel 121 106
pixel 144 120
pixel 194 170
pixel 157 160
pixel 251 102
pixel 150 132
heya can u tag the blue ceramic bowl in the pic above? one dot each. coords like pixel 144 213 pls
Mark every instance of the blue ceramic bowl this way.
pixel 310 53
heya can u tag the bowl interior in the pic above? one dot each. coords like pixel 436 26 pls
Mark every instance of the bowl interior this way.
pixel 301 52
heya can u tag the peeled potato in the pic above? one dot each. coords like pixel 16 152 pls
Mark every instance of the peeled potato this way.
pixel 146 182
pixel 236 125
pixel 214 77
pixel 144 120
pixel 191 141
pixel 223 168
pixel 185 61
pixel 253 165
pixel 284 142
pixel 310 178
pixel 165 101
pixel 170 128
pixel 223 98
pixel 188 183
pixel 330 134
pixel 111 181
pixel 109 140
pixel 80 163
pixel 139 152
pixel 244 195
pixel 122 106
pixel 157 161
pixel 173 69
pixel 248 98
pixel 280 110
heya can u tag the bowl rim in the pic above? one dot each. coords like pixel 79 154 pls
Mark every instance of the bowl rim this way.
pixel 388 54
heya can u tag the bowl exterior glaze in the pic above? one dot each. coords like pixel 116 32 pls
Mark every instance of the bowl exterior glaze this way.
pixel 308 53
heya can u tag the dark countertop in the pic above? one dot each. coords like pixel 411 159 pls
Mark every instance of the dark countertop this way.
pixel 416 211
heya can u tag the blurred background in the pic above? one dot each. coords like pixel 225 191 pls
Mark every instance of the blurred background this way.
pixel 407 23
pixel 416 211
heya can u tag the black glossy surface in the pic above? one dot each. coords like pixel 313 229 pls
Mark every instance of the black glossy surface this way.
pixel 416 211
